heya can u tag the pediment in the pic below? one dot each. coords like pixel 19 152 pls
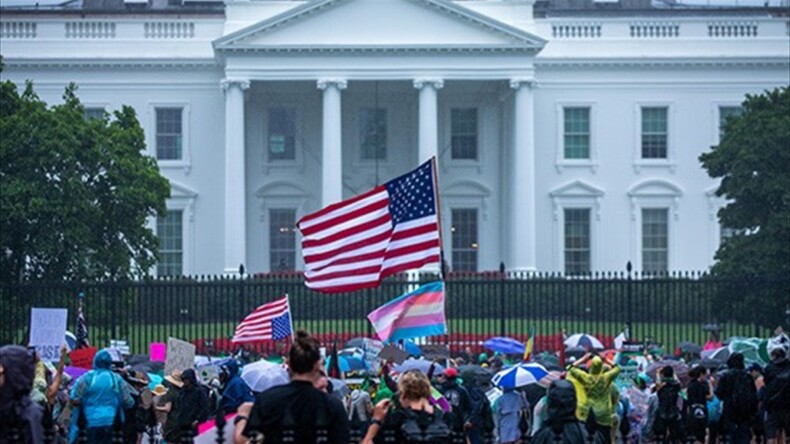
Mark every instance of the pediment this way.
pixel 577 188
pixel 466 188
pixel 655 187
pixel 281 188
pixel 179 191
pixel 376 25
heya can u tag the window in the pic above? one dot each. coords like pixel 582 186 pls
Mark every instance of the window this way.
pixel 577 133
pixel 169 133
pixel 577 240
pixel 282 134
pixel 464 237
pixel 654 132
pixel 655 240
pixel 93 113
pixel 282 239
pixel 463 133
pixel 725 112
pixel 169 229
pixel 373 133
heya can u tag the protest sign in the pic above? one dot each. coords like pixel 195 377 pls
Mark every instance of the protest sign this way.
pixel 393 354
pixel 157 351
pixel 83 357
pixel 435 351
pixel 180 355
pixel 48 331
pixel 115 354
pixel 372 348
pixel 122 346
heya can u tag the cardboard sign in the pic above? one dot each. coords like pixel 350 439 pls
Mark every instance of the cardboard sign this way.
pixel 393 354
pixel 371 350
pixel 157 351
pixel 434 351
pixel 180 355
pixel 122 346
pixel 83 357
pixel 48 331
pixel 115 354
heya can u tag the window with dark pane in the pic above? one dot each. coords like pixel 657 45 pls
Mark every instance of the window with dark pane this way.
pixel 654 132
pixel 373 133
pixel 463 133
pixel 93 113
pixel 169 133
pixel 282 239
pixel 577 240
pixel 169 230
pixel 655 240
pixel 281 139
pixel 727 112
pixel 464 236
pixel 576 129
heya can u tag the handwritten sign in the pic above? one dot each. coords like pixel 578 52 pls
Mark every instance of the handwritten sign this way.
pixel 48 331
pixel 372 348
pixel 393 354
pixel 180 355
pixel 436 351
pixel 83 357
pixel 157 351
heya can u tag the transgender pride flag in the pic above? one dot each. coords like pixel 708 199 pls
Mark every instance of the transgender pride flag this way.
pixel 413 315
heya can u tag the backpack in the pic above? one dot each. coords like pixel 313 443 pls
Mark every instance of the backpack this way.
pixel 742 405
pixel 777 392
pixel 421 427
pixel 714 410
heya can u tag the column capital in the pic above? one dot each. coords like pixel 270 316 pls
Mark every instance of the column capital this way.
pixel 225 84
pixel 340 84
pixel 517 83
pixel 435 83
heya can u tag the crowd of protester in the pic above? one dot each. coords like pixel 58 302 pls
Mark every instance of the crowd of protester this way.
pixel 582 404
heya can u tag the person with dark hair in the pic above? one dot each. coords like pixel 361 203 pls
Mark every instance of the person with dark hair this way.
pixel 698 393
pixel 21 417
pixel 191 407
pixel 298 411
pixel 666 427
pixel 738 394
pixel 777 390
pixel 460 401
pixel 561 425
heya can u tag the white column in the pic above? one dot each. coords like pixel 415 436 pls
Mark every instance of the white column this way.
pixel 429 118
pixel 332 152
pixel 522 190
pixel 235 193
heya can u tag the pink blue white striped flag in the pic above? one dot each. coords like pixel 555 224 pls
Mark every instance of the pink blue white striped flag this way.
pixel 413 315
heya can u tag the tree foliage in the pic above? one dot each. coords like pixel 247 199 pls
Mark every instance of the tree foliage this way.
pixel 75 193
pixel 753 160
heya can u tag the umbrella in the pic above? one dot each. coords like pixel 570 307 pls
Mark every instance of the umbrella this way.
pixel 418 364
pixel 508 346
pixel 74 372
pixel 754 350
pixel 583 340
pixel 149 367
pixel 348 363
pixel 708 363
pixel 138 359
pixel 355 343
pixel 575 352
pixel 519 375
pixel 476 372
pixel 720 354
pixel 689 347
pixel 411 348
pixel 681 370
pixel 263 375
pixel 339 387
pixel 71 340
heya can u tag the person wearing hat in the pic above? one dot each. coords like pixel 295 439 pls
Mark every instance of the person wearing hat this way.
pixel 191 407
pixel 595 391
pixel 458 397
pixel 166 405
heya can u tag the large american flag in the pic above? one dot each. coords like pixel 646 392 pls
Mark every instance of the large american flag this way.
pixel 354 244
pixel 267 322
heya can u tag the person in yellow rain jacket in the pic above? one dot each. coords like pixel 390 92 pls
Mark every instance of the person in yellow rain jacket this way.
pixel 594 393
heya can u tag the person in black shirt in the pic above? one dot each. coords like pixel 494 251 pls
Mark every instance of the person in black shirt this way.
pixel 698 393
pixel 298 412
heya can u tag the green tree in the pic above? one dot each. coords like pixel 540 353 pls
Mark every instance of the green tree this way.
pixel 753 162
pixel 75 193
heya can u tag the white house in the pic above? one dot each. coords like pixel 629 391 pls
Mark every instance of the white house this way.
pixel 567 131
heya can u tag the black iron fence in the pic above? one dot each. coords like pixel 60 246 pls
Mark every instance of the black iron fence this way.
pixel 205 310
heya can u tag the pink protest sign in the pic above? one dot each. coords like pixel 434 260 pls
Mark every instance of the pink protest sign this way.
pixel 158 351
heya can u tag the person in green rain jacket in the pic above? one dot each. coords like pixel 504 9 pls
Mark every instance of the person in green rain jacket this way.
pixel 596 385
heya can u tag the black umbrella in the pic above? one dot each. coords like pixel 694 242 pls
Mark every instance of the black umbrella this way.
pixel 709 364
pixel 575 352
pixel 476 372
pixel 149 367
pixel 689 347
pixel 137 359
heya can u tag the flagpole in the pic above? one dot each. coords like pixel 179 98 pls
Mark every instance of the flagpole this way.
pixel 438 215
pixel 290 317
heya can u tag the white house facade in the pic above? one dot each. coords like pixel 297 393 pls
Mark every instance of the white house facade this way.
pixel 567 133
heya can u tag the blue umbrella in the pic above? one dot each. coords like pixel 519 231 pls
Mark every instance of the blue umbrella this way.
pixel 504 345
pixel 71 340
pixel 418 364
pixel 411 348
pixel 520 375
pixel 348 363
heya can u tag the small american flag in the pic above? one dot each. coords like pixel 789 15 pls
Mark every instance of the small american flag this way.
pixel 354 244
pixel 82 328
pixel 267 322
